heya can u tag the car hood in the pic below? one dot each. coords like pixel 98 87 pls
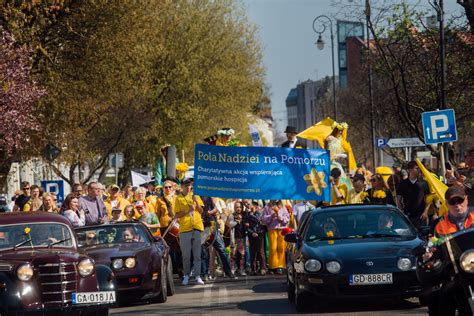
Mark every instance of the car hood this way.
pixel 103 253
pixel 40 256
pixel 374 255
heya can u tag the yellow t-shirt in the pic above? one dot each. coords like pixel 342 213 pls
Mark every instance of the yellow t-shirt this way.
pixel 343 189
pixel 187 223
pixel 120 203
pixel 353 197
pixel 162 210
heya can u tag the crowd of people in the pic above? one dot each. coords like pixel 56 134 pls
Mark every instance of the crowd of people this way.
pixel 211 236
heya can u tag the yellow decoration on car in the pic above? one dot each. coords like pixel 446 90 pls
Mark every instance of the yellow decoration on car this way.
pixel 27 230
pixel 315 181
pixel 330 234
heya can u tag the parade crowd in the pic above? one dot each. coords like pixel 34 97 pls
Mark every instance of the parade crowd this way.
pixel 213 237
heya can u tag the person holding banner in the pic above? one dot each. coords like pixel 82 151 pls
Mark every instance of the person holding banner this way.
pixel 188 208
pixel 275 217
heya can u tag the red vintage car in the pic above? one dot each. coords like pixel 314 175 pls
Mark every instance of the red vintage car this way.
pixel 140 261
pixel 41 270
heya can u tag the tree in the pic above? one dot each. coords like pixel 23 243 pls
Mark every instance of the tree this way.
pixel 18 98
pixel 130 77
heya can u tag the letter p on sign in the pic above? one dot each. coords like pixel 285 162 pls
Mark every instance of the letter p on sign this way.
pixel 439 124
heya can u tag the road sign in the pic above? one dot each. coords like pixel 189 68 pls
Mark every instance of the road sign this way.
pixel 404 142
pixel 439 126
pixel 54 186
pixel 381 142
pixel 116 160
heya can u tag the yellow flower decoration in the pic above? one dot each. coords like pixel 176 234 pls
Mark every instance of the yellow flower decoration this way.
pixel 315 181
pixel 380 194
pixel 339 126
pixel 182 167
pixel 27 230
pixel 330 234
pixel 363 195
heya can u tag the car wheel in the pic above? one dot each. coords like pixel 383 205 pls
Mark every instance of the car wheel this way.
pixel 290 286
pixel 162 297
pixel 302 300
pixel 169 278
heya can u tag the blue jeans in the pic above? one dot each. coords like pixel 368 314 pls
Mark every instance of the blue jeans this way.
pixel 204 260
pixel 220 249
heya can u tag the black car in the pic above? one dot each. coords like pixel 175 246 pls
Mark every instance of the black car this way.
pixel 352 251
pixel 140 261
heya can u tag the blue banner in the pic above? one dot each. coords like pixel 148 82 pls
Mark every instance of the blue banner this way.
pixel 262 173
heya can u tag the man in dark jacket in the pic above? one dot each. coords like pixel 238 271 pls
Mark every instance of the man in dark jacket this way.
pixel 293 141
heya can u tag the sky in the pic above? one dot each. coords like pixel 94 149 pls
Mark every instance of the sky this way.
pixel 287 37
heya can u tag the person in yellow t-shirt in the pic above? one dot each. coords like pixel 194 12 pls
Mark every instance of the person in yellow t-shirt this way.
pixel 356 194
pixel 115 201
pixel 188 211
pixel 339 190
pixel 165 204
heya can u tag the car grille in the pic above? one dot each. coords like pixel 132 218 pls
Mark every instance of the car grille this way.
pixel 58 282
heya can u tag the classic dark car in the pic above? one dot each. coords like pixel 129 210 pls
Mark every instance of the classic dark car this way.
pixel 41 270
pixel 140 261
pixel 352 251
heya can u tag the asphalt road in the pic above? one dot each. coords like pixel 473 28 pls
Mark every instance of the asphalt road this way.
pixel 257 296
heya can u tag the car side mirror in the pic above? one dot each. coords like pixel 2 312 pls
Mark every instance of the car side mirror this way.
pixel 292 238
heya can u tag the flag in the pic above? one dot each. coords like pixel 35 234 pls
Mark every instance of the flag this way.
pixel 319 131
pixel 256 140
pixel 139 179
pixel 436 186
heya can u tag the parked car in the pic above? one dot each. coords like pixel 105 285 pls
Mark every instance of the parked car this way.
pixel 42 271
pixel 140 261
pixel 352 251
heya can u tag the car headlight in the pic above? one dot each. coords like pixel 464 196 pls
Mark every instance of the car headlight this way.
pixel 404 264
pixel 85 267
pixel 467 261
pixel 333 266
pixel 130 263
pixel 24 272
pixel 117 264
pixel 312 265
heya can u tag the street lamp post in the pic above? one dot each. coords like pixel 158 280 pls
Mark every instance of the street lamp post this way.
pixel 320 44
pixel 369 74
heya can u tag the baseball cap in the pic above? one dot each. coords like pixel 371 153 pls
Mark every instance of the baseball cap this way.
pixel 114 186
pixel 187 181
pixel 116 210
pixel 455 191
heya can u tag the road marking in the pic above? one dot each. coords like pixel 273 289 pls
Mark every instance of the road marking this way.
pixel 223 296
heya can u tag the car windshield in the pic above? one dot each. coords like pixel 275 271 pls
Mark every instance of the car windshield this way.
pixel 356 223
pixel 111 234
pixel 35 235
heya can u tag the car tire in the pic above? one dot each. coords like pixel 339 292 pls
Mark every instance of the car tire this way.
pixel 162 296
pixel 302 299
pixel 290 287
pixel 169 278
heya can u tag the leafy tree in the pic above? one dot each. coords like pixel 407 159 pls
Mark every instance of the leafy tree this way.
pixel 18 97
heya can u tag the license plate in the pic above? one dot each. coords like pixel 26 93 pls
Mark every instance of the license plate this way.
pixel 93 297
pixel 370 279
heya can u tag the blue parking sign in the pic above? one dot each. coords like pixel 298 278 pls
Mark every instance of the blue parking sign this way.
pixel 439 126
pixel 54 186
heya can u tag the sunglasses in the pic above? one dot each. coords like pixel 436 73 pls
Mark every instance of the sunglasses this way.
pixel 456 200
pixel 26 188
pixel 167 187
